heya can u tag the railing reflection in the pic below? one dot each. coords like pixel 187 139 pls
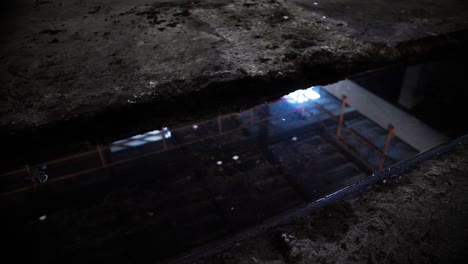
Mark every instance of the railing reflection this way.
pixel 302 102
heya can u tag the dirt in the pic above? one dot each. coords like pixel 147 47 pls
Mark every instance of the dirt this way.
pixel 77 70
pixel 391 21
pixel 417 217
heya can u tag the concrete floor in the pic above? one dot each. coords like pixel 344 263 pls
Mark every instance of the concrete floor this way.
pixel 72 60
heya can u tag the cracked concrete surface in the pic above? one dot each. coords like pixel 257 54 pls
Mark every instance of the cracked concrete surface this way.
pixel 69 60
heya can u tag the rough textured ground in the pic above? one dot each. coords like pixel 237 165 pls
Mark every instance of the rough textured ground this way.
pixel 420 216
pixel 73 59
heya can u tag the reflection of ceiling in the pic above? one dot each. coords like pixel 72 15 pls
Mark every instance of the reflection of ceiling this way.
pixel 408 128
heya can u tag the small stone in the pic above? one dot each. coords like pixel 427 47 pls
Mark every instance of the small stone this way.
pixel 42 217
pixel 235 157
pixel 152 84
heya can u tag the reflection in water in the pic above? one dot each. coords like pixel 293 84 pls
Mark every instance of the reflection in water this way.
pixel 302 96
pixel 157 195
pixel 142 139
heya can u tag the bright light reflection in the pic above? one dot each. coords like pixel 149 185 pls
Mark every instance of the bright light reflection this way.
pixel 302 96
pixel 141 139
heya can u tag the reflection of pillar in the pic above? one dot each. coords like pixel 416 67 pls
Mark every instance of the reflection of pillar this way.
pixel 251 117
pixel 409 87
pixel 391 132
pixel 263 138
pixel 30 176
pixel 101 156
pixel 340 121
pixel 264 126
pixel 163 138
pixel 107 153
pixel 220 124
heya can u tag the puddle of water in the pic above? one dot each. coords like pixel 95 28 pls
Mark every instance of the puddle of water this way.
pixel 162 193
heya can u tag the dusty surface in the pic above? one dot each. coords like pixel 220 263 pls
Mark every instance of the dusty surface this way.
pixel 418 217
pixel 71 60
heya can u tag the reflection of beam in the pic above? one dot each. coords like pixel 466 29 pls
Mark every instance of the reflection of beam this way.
pixel 13 172
pixel 365 141
pixel 355 154
pixel 77 155
pixel 323 109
